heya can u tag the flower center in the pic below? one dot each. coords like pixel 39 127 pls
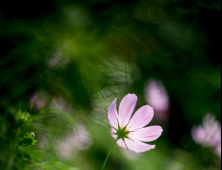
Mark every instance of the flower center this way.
pixel 122 133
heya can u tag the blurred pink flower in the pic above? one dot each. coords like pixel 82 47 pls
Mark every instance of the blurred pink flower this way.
pixel 35 101
pixel 208 134
pixel 130 129
pixel 218 150
pixel 157 97
pixel 61 104
pixel 74 143
pixel 57 60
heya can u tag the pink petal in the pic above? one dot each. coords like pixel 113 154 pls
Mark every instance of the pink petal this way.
pixel 138 146
pixel 121 143
pixel 126 108
pixel 141 118
pixel 112 114
pixel 147 134
pixel 113 132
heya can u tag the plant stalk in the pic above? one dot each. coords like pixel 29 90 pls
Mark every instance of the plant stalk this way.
pixel 104 164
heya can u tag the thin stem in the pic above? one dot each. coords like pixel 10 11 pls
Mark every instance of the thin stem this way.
pixel 104 164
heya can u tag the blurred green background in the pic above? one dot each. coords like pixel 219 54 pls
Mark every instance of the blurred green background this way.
pixel 62 63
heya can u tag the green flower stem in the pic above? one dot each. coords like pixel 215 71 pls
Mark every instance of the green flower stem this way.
pixel 104 164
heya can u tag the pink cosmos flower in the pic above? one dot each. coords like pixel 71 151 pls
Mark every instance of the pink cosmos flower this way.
pixel 208 134
pixel 157 97
pixel 130 129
